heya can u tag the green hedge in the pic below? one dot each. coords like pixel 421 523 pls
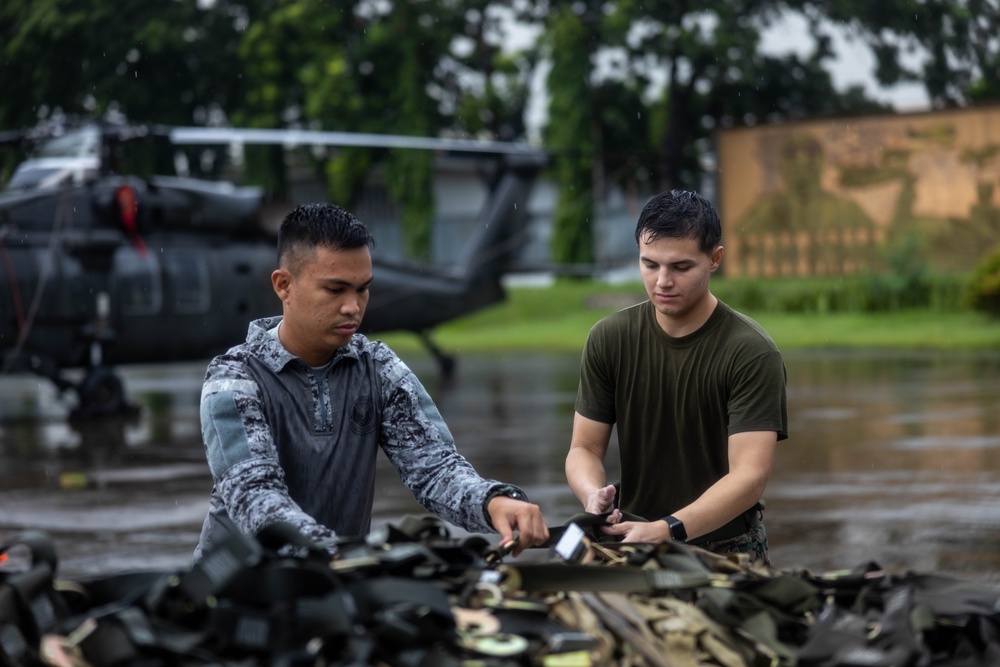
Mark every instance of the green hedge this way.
pixel 863 294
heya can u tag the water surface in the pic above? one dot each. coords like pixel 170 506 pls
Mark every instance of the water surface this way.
pixel 892 458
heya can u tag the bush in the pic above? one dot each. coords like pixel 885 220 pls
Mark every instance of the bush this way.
pixel 983 287
pixel 875 293
pixel 902 281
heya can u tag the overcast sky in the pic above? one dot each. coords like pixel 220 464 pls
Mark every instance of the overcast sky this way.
pixel 854 65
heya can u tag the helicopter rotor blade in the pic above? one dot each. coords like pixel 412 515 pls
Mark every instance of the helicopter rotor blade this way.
pixel 291 137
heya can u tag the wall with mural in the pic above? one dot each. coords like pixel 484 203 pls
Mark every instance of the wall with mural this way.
pixel 836 197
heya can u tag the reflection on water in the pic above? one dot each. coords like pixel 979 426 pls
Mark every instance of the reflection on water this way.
pixel 892 458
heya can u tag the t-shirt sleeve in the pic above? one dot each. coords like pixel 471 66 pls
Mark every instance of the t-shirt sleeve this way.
pixel 758 398
pixel 595 395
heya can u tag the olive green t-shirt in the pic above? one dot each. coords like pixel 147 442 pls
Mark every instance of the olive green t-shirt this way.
pixel 676 401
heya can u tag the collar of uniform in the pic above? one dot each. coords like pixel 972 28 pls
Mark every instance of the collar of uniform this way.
pixel 265 344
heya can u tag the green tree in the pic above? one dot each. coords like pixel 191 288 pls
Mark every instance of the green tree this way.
pixel 716 74
pixel 397 67
pixel 166 62
pixel 287 46
pixel 385 68
pixel 607 118
pixel 488 82
pixel 571 134
pixel 949 46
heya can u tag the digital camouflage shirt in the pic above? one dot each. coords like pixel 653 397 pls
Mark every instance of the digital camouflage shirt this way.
pixel 288 442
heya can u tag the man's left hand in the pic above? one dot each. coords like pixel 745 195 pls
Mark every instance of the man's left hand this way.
pixel 508 515
pixel 639 531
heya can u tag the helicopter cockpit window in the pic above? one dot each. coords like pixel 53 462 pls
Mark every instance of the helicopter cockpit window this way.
pixel 75 155
pixel 84 142
pixel 32 177
pixel 187 274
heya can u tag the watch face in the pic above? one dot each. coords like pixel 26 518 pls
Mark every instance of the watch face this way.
pixel 677 530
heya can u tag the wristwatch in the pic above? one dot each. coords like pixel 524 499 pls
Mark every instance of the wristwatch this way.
pixel 503 490
pixel 508 491
pixel 677 530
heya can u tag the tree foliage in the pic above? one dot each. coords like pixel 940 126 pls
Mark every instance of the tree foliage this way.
pixel 949 46
pixel 983 289
pixel 636 87
pixel 572 136
pixel 172 62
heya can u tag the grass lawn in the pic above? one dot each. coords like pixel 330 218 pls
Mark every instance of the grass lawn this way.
pixel 558 317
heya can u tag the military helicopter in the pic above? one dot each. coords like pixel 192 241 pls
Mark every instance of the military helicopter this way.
pixel 99 268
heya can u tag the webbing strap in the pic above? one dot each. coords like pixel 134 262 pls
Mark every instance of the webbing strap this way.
pixel 762 628
pixel 954 598
pixel 533 578
pixel 29 604
pixel 216 569
pixel 13 643
pixel 653 653
pixel 787 594
pixel 590 523
pixel 265 585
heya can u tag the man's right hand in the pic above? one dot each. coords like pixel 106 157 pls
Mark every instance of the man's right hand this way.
pixel 508 515
pixel 601 501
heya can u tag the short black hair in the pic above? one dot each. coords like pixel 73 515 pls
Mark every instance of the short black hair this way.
pixel 680 214
pixel 311 225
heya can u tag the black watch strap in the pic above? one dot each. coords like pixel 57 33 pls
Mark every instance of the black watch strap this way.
pixel 677 530
pixel 504 490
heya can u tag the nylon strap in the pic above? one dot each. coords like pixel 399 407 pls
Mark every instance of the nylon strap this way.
pixel 544 577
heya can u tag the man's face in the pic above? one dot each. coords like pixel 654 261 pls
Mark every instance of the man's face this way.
pixel 325 296
pixel 676 274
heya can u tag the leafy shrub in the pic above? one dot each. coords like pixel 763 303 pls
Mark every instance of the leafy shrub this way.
pixel 983 287
pixel 874 293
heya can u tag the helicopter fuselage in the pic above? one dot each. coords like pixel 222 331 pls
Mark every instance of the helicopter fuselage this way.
pixel 158 286
pixel 99 269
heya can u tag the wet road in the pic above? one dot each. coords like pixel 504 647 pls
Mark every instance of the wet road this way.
pixel 892 458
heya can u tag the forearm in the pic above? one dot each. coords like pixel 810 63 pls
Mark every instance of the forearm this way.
pixel 585 473
pixel 255 496
pixel 751 456
pixel 446 484
pixel 729 497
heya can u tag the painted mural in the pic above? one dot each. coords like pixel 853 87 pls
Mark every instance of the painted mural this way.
pixel 837 197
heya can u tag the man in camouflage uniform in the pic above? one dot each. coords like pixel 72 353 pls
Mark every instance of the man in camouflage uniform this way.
pixel 695 390
pixel 293 418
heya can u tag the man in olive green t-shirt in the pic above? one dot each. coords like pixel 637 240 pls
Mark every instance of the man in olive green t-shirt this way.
pixel 695 390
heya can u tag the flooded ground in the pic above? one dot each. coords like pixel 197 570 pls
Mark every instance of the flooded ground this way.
pixel 893 458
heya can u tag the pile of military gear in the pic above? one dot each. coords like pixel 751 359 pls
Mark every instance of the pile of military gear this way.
pixel 419 597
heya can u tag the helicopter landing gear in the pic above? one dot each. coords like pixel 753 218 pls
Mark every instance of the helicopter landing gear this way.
pixel 446 362
pixel 101 394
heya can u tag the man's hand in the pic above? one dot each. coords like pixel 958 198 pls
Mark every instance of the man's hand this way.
pixel 639 531
pixel 508 515
pixel 602 501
